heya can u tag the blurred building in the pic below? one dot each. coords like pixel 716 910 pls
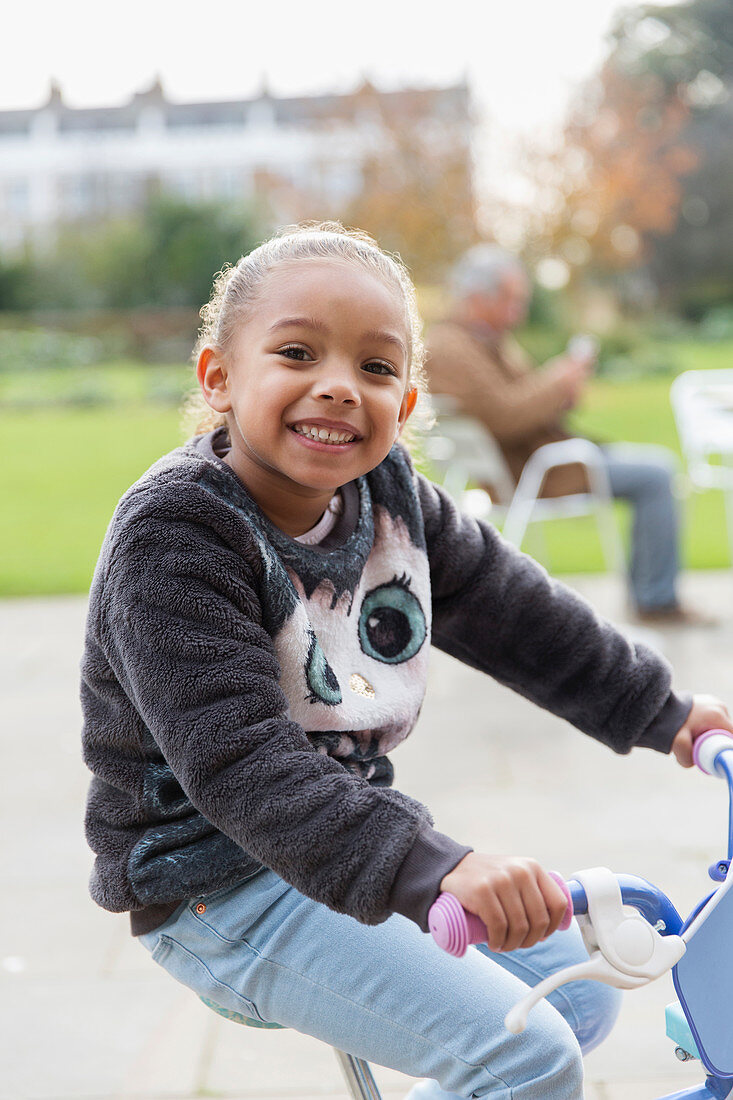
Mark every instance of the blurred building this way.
pixel 300 157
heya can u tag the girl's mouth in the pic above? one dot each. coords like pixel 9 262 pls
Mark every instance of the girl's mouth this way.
pixel 318 433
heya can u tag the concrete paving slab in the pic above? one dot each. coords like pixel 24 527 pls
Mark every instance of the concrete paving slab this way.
pixel 71 1038
pixel 85 1015
pixel 284 1064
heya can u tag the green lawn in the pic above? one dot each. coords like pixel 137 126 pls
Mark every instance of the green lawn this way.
pixel 636 411
pixel 62 474
pixel 63 466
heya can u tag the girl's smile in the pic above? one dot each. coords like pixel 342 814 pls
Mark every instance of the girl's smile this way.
pixel 326 433
pixel 315 388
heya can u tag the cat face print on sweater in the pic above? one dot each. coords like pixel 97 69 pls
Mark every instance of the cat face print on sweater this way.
pixel 359 690
pixel 351 626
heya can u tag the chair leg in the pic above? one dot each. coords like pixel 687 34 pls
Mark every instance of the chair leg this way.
pixel 359 1077
pixel 455 481
pixel 519 513
pixel 536 543
pixel 518 518
pixel 609 537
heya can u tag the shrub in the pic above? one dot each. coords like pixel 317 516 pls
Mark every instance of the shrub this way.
pixel 40 348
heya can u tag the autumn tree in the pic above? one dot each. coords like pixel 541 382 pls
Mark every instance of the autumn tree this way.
pixel 646 172
pixel 416 196
pixel 693 264
pixel 400 167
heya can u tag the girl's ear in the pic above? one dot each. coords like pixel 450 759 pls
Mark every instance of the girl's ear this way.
pixel 212 376
pixel 408 404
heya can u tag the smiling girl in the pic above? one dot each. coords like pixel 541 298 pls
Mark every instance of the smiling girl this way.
pixel 315 386
pixel 257 643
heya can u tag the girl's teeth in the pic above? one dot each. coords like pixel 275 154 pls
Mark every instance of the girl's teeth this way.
pixel 325 435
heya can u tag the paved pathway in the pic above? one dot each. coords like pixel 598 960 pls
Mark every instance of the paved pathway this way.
pixel 84 1014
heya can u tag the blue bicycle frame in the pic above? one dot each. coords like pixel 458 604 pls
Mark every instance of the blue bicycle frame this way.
pixel 704 974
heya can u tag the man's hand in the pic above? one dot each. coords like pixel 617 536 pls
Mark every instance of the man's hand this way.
pixel 708 713
pixel 569 377
pixel 514 897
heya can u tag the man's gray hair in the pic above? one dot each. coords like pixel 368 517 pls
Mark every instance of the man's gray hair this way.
pixel 482 269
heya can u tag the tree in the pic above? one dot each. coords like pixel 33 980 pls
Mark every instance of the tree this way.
pixel 188 243
pixel 166 255
pixel 416 196
pixel 648 185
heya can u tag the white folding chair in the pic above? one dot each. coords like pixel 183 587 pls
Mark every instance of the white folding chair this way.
pixel 702 403
pixel 464 453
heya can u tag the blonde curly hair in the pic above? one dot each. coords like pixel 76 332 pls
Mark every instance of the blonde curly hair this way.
pixel 237 288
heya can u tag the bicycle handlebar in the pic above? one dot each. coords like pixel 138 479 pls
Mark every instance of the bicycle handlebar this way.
pixel 453 928
pixel 713 754
pixel 708 750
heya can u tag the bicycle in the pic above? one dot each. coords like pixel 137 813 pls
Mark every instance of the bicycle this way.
pixel 634 934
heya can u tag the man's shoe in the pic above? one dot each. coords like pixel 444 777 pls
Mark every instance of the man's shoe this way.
pixel 675 615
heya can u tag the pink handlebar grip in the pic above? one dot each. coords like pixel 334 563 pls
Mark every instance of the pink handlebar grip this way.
pixel 453 928
pixel 699 754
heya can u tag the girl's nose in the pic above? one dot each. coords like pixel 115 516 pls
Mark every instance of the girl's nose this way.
pixel 338 386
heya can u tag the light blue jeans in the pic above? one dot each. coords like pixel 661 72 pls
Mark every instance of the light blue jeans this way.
pixel 388 993
pixel 642 474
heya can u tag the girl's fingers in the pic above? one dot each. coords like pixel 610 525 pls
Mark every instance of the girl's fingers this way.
pixel 520 925
pixel 533 912
pixel 515 898
pixel 497 924
pixel 555 900
pixel 541 920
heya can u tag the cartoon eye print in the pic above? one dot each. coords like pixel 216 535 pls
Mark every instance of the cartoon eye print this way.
pixel 320 677
pixel 392 623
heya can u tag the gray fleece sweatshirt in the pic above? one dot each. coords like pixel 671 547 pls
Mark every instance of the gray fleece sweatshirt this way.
pixel 241 691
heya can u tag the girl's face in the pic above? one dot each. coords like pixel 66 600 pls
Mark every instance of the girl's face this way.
pixel 316 387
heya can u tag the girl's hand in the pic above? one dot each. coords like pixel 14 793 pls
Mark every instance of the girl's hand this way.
pixel 515 898
pixel 708 713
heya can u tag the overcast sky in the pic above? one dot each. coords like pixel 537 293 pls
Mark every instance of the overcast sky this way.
pixel 522 58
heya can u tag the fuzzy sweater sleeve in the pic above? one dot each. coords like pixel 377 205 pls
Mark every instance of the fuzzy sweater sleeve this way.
pixel 181 627
pixel 497 610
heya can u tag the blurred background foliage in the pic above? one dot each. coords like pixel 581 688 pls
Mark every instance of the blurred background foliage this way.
pixel 627 230
pixel 161 256
pixel 128 286
pixel 638 201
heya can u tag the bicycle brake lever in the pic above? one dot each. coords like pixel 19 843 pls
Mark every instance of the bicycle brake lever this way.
pixel 624 950
pixel 597 968
pixel 624 938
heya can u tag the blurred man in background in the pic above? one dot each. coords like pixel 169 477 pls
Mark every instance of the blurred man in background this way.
pixel 474 359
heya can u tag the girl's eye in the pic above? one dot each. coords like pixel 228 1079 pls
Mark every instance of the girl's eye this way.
pixel 376 366
pixel 295 351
